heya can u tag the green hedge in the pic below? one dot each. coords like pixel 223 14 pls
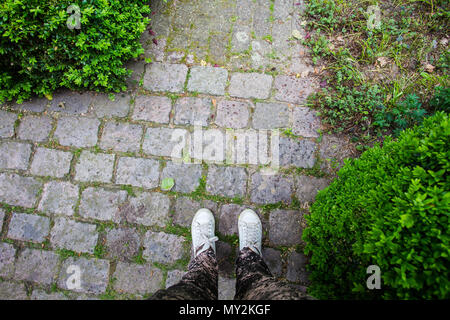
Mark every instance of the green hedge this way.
pixel 39 52
pixel 391 208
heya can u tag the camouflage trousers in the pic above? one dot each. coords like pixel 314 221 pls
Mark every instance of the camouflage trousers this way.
pixel 253 281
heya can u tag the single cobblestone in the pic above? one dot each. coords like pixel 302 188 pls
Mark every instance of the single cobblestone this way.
pixel 12 291
pixel 77 131
pixel 123 137
pixel 305 123
pixel 122 243
pixel 232 114
pixel 192 111
pixel 35 128
pixel 266 189
pixel 104 107
pixel 7 121
pixel 101 204
pixel 138 172
pixel 28 227
pixel 273 260
pixel 163 248
pixel 59 197
pixel 240 39
pixel 33 105
pixel 165 77
pixel 152 108
pixel 227 288
pixel 298 153
pixel 137 68
pixel 285 228
pixel 94 274
pixel 208 80
pixel 165 142
pixel 37 266
pixel 186 208
pixel 187 176
pixel 146 208
pixel 296 268
pixel 333 151
pixel 261 16
pixel 94 167
pixel 250 85
pixel 307 187
pixel 292 89
pixel 71 102
pixel 75 236
pixel 173 277
pixel 271 116
pixel 19 191
pixel 14 155
pixel 226 181
pixel 7 254
pixel 135 278
pixel 50 162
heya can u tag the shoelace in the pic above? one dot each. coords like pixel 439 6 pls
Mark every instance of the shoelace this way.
pixel 203 231
pixel 253 238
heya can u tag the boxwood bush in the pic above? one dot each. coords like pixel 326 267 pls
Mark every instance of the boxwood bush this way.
pixel 391 208
pixel 39 52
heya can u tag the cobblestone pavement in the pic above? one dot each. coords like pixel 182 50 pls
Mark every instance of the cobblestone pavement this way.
pixel 80 176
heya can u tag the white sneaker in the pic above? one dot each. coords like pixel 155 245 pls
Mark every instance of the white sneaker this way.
pixel 202 231
pixel 250 231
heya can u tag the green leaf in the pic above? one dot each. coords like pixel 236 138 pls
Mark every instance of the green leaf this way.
pixel 406 220
pixel 167 184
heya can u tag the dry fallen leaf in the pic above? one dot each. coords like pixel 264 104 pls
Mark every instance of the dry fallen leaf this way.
pixel 214 102
pixel 429 68
pixel 305 73
pixel 382 61
pixel 297 75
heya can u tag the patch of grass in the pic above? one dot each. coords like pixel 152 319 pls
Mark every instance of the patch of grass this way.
pixel 128 189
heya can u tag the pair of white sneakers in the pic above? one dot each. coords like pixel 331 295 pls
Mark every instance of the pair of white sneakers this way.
pixel 203 237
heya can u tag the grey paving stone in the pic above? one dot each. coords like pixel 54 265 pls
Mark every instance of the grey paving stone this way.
pixel 271 116
pixel 7 254
pixel 59 197
pixel 208 145
pixel 192 111
pixel 75 236
pixel 37 266
pixel 14 155
pixel 35 128
pixel 208 80
pixel 240 39
pixel 2 217
pixel 165 142
pixel 228 218
pixel 33 105
pixel 94 167
pixel 186 208
pixel 19 191
pixel 244 11
pixel 7 121
pixel 137 68
pixel 281 34
pixel 261 18
pixel 218 47
pixel 152 108
pixel 101 204
pixel 333 151
pixel 274 188
pixel 227 288
pixel 50 162
pixel 298 153
pixel 176 56
pixel 28 227
pixel 71 102
pixel 226 181
pixel 296 268
pixel 124 137
pixel 39 294
pixel 165 77
pixel 104 107
pixel 292 89
pixel 307 187
pixel 77 131
pixel 282 9
pixel 12 291
pixel 285 228
pixel 138 172
pixel 232 114
pixel 135 278
pixel 155 51
pixel 272 258
pixel 146 208
pixel 186 176
pixel 225 259
pixel 163 248
pixel 94 275
pixel 173 277
pixel 122 243
pixel 305 122
pixel 250 85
